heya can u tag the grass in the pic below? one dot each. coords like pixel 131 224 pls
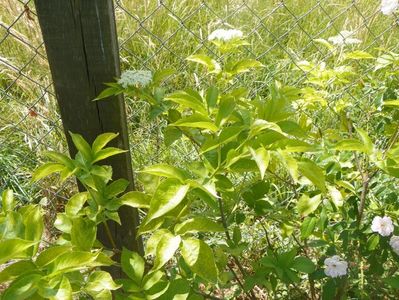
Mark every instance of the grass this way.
pixel 161 34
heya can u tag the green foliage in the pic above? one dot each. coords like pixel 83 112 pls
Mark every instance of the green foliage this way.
pixel 281 180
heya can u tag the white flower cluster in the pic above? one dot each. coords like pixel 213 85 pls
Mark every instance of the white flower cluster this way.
pixel 388 7
pixel 135 78
pixel 394 243
pixel 335 266
pixel 225 34
pixel 383 226
pixel 345 37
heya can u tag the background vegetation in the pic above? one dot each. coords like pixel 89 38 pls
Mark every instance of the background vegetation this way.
pixel 156 35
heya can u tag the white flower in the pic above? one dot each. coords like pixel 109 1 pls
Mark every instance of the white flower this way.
pixel 135 78
pixel 335 266
pixel 394 242
pixel 388 7
pixel 383 226
pixel 225 34
pixel 344 38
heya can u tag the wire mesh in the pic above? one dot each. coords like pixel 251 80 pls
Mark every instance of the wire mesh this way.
pixel 29 119
pixel 156 34
pixel 281 34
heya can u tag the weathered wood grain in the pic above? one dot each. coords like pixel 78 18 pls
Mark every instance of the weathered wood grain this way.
pixel 81 45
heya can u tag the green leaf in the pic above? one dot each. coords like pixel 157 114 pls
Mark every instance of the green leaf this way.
pixel 179 289
pixel 198 224
pixel 329 290
pixel 161 75
pixel 186 100
pixel 167 171
pixel 104 172
pixel 324 43
pixel 307 205
pixel 133 199
pixel 114 216
pixel 45 170
pixel 303 264
pixel 386 60
pixel 196 121
pixel 22 288
pixel 171 134
pixel 391 103
pixel 314 173
pixel 367 142
pixel 47 256
pixel 212 96
pixel 129 286
pixel 66 173
pixel 336 196
pixel 168 195
pixel 262 157
pixel 153 241
pixel 286 259
pixel 237 236
pixel 146 227
pixel 350 145
pixel 157 290
pixel 7 200
pixel 132 265
pixel 373 242
pixel 290 163
pixel 199 257
pixel 104 295
pixel 101 280
pixel 357 54
pixel 102 140
pixel 260 125
pixel 13 249
pixel 110 91
pixel 17 269
pixel 117 187
pixel 226 108
pixel 107 152
pixel 308 227
pixel 63 223
pixel 246 65
pixel 278 107
pixel 75 260
pixel 83 233
pixel 211 64
pixel 61 159
pixel 152 278
pixel 75 204
pixel 82 146
pixel 34 225
pixel 64 291
pixel 166 248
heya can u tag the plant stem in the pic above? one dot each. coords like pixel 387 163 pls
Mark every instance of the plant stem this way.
pixel 365 188
pixel 305 252
pixel 269 243
pixel 109 235
pixel 226 231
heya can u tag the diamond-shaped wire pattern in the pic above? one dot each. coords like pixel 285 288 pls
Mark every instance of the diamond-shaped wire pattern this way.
pixel 157 34
pixel 161 34
pixel 29 119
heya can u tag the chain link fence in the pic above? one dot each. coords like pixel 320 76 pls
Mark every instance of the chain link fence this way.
pixel 156 34
pixel 29 121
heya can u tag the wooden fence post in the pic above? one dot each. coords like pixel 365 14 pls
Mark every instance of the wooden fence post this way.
pixel 81 44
